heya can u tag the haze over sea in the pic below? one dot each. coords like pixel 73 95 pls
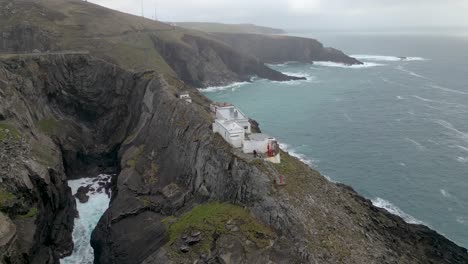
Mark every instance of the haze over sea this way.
pixel 395 130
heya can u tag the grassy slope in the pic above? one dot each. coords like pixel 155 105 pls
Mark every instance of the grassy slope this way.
pixel 229 28
pixel 77 25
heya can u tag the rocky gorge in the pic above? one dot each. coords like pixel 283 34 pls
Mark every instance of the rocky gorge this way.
pixel 180 194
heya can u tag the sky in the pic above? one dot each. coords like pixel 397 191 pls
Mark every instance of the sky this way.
pixel 302 14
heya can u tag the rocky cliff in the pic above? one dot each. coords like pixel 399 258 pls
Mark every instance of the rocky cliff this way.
pixel 180 188
pixel 277 48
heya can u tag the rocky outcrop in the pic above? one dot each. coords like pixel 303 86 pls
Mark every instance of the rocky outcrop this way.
pixel 203 62
pixel 278 49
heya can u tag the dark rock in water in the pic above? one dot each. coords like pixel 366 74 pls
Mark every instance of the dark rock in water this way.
pixel 82 193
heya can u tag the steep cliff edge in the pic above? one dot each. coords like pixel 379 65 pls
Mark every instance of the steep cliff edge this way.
pixel 76 109
pixel 278 48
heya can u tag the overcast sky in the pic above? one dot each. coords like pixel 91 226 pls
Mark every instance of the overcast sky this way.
pixel 316 14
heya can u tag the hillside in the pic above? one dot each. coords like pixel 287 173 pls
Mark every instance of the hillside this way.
pixel 132 42
pixel 229 28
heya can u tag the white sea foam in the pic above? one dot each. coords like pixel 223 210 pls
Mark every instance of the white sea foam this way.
pixel 89 215
pixel 402 164
pixel 393 209
pixel 386 58
pixel 233 87
pixel 300 156
pixel 462 159
pixel 400 97
pixel 417 144
pixel 402 69
pixel 462 148
pixel 282 64
pixel 346 66
pixel 445 193
pixel 461 220
pixel 460 134
pixel 447 89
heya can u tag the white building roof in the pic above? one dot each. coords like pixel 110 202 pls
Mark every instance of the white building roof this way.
pixel 230 126
pixel 260 137
pixel 231 113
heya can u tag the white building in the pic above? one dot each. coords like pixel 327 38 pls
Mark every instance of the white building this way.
pixel 262 144
pixel 233 133
pixel 236 129
pixel 185 96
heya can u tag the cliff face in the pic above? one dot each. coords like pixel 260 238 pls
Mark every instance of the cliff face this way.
pixel 277 49
pixel 59 119
pixel 75 109
pixel 203 62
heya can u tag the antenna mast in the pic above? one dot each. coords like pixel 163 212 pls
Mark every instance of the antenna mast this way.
pixel 142 13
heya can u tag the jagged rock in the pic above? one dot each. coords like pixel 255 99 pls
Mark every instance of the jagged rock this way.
pixel 82 194
pixel 184 249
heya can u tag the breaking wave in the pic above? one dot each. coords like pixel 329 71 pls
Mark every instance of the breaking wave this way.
pixel 447 89
pixel 301 157
pixel 460 134
pixel 386 58
pixel 400 68
pixel 393 209
pixel 282 64
pixel 233 87
pixel 346 66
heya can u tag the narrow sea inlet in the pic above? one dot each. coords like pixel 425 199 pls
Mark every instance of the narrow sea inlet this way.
pixel 394 128
pixel 89 214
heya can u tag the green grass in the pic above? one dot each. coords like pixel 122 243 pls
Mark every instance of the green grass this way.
pixel 132 162
pixel 5 198
pixel 7 130
pixel 31 213
pixel 211 218
pixel 49 126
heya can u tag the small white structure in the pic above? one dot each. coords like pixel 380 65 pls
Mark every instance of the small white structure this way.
pixel 230 131
pixel 257 142
pixel 185 96
pixel 262 144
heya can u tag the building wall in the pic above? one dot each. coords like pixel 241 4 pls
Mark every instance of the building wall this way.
pixel 251 145
pixel 234 138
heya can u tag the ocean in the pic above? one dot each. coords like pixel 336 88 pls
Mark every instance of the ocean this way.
pixel 395 130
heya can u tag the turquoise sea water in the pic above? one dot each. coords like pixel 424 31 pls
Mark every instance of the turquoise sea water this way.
pixel 395 130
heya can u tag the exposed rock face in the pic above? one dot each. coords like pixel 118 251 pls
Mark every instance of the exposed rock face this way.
pixel 203 62
pixel 61 120
pixel 277 49
pixel 169 161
